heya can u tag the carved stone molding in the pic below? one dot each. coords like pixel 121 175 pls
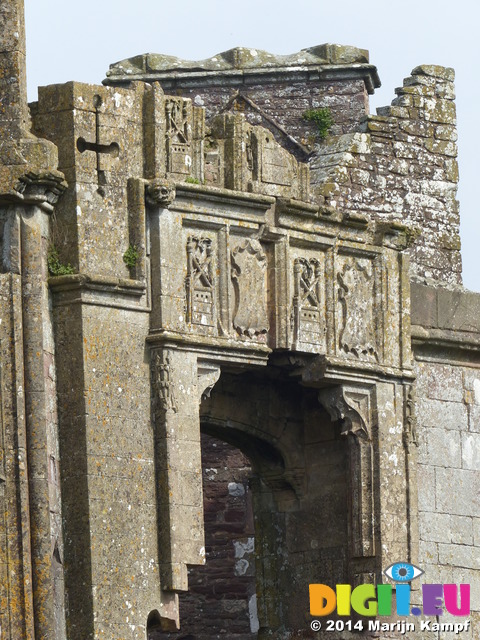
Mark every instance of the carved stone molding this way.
pixel 160 193
pixel 352 406
pixel 41 189
pixel 410 417
pixel 308 324
pixel 178 135
pixel 249 266
pixel 164 394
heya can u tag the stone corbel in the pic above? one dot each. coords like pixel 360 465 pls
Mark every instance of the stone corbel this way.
pixel 208 375
pixel 160 193
pixel 352 407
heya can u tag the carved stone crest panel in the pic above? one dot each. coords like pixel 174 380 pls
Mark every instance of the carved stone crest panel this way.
pixel 178 135
pixel 356 308
pixel 199 284
pixel 248 271
pixel 308 305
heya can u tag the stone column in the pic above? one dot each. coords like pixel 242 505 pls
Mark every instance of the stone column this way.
pixel 32 522
pixel 40 192
pixel 378 421
pixel 177 384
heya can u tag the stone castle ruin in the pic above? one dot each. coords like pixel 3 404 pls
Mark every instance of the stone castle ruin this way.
pixel 226 339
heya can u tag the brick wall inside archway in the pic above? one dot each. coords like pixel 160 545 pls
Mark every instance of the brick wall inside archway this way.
pixel 221 601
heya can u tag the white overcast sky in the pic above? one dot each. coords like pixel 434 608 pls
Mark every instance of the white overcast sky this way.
pixel 77 40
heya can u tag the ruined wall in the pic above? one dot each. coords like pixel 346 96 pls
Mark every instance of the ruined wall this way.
pixel 404 167
pixel 271 91
pixel 446 337
pixel 285 103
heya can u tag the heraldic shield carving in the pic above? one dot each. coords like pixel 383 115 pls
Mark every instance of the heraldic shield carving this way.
pixel 249 266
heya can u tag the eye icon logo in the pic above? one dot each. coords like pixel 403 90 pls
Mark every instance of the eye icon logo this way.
pixel 402 572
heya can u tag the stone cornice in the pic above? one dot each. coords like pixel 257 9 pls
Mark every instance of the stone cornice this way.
pixel 243 65
pixel 239 77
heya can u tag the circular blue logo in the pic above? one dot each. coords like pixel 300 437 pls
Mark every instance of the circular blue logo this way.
pixel 402 572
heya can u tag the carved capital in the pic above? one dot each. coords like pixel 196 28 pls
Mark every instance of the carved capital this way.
pixel 160 193
pixel 350 405
pixel 42 189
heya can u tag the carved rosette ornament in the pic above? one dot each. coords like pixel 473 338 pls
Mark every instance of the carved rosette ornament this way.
pixel 249 268
pixel 352 407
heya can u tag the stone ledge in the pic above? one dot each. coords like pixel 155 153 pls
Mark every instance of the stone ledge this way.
pixel 81 288
pixel 445 324
pixel 207 192
pixel 450 310
pixel 214 349
pixel 169 70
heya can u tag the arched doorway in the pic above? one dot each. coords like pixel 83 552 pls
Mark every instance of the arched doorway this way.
pixel 275 479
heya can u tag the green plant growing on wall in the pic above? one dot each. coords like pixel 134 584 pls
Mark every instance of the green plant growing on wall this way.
pixel 322 118
pixel 55 267
pixel 131 256
pixel 192 180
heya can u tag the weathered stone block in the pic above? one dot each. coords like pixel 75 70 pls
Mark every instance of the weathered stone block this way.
pixel 471 450
pixel 435 527
pixel 462 530
pixel 442 415
pixel 466 484
pixel 435 71
pixel 440 382
pixel 440 447
pixel 457 555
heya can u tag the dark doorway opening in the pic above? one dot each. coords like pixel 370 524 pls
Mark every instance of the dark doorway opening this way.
pixel 221 601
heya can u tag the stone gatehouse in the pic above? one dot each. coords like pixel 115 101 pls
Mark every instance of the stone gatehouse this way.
pixel 236 356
